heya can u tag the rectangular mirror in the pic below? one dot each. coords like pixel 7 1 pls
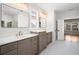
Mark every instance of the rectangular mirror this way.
pixel 42 22
pixel 12 17
pixel 37 19
pixel 42 19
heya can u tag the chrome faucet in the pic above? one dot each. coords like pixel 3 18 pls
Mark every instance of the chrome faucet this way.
pixel 20 33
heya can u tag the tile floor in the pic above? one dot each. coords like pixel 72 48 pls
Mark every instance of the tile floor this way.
pixel 62 48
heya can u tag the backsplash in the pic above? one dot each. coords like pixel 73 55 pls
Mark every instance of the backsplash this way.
pixel 5 32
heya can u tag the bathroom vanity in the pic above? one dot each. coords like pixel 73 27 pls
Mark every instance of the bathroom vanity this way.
pixel 29 44
pixel 49 37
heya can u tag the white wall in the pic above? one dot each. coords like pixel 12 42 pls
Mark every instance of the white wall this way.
pixel 6 32
pixel 51 23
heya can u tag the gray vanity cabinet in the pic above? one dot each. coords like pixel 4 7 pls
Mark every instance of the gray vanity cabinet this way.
pixel 49 37
pixel 13 52
pixel 9 49
pixel 34 44
pixel 42 41
pixel 28 46
pixel 24 47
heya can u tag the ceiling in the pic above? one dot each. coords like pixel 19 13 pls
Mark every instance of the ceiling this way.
pixel 58 6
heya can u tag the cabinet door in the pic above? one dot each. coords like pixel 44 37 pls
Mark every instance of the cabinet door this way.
pixel 24 47
pixel 27 46
pixel 34 45
pixel 20 47
pixel 49 37
pixel 8 47
pixel 44 39
pixel 40 42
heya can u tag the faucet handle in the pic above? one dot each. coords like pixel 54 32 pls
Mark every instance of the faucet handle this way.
pixel 16 34
pixel 20 33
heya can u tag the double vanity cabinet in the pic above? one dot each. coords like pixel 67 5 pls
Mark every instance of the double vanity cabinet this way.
pixel 31 45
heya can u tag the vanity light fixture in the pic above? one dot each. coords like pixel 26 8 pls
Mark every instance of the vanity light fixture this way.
pixel 22 5
pixel 43 14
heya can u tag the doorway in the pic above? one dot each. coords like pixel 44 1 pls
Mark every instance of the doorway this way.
pixel 60 29
pixel 71 31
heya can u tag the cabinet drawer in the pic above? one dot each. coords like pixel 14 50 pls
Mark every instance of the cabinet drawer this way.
pixel 34 45
pixel 34 38
pixel 13 52
pixel 35 51
pixel 34 41
pixel 8 47
pixel 34 48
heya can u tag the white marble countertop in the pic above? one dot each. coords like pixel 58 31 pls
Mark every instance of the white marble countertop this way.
pixel 10 39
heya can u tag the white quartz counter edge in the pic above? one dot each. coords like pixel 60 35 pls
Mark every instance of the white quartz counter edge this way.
pixel 14 38
pixel 48 31
pixel 38 31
